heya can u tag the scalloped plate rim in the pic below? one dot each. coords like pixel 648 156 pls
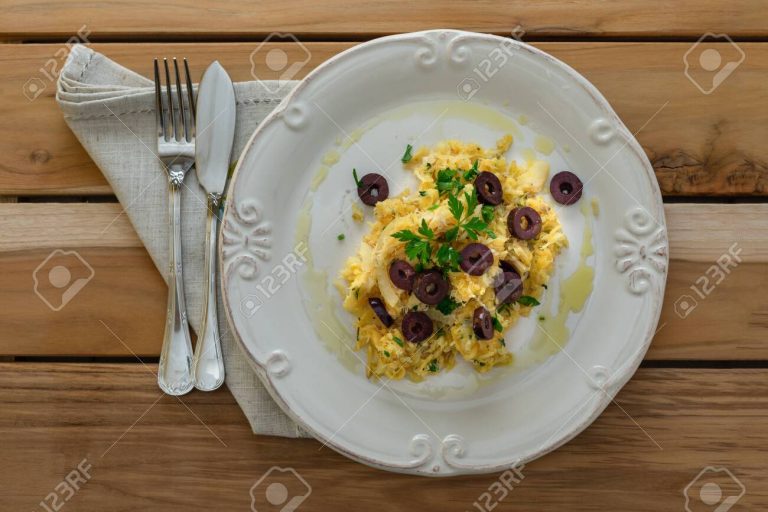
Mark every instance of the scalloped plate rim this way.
pixel 617 383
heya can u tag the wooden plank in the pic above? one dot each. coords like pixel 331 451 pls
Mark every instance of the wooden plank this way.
pixel 26 19
pixel 145 456
pixel 125 293
pixel 698 144
pixel 730 323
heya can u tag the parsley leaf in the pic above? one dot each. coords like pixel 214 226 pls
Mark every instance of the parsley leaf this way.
pixel 398 340
pixel 451 234
pixel 422 193
pixel 386 353
pixel 447 182
pixel 425 231
pixel 486 213
pixel 474 227
pixel 527 300
pixel 471 173
pixel 455 206
pixel 407 155
pixel 341 236
pixel 415 248
pixel 433 366
pixel 497 324
pixel 448 257
pixel 406 235
pixel 447 305
pixel 471 199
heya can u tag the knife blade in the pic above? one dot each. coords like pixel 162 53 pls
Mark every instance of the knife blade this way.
pixel 215 128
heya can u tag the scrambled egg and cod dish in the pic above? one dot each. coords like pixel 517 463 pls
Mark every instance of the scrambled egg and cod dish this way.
pixel 448 268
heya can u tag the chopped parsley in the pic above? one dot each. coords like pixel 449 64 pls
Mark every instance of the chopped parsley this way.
pixel 497 324
pixel 407 155
pixel 357 180
pixel 472 172
pixel 398 340
pixel 447 305
pixel 447 181
pixel 527 300
pixel 433 366
pixel 341 236
pixel 422 193
pixel 386 353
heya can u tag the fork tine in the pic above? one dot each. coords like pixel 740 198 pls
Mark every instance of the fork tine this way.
pixel 191 94
pixel 184 130
pixel 171 110
pixel 159 105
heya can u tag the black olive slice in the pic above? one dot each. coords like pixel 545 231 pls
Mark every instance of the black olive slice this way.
pixel 524 223
pixel 402 275
pixel 508 287
pixel 417 326
pixel 476 258
pixel 431 287
pixel 482 323
pixel 378 307
pixel 373 188
pixel 488 188
pixel 566 187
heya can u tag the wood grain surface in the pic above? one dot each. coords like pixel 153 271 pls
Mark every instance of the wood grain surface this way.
pixel 699 144
pixel 730 323
pixel 698 402
pixel 179 19
pixel 150 452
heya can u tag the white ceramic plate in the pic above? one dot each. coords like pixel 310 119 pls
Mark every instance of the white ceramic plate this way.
pixel 291 196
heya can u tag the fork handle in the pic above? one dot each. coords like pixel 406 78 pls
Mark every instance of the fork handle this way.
pixel 209 363
pixel 174 375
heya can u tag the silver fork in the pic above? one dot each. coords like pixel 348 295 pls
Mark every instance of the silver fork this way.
pixel 176 149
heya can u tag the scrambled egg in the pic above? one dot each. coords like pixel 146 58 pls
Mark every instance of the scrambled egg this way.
pixel 366 273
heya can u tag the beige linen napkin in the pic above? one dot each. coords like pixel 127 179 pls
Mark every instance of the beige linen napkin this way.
pixel 111 110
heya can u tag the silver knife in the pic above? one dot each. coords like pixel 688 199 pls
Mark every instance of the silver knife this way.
pixel 215 127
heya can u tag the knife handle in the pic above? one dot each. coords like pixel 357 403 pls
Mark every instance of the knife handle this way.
pixel 174 374
pixel 209 362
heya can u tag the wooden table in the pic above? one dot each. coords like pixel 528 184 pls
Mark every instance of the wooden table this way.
pixel 71 391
